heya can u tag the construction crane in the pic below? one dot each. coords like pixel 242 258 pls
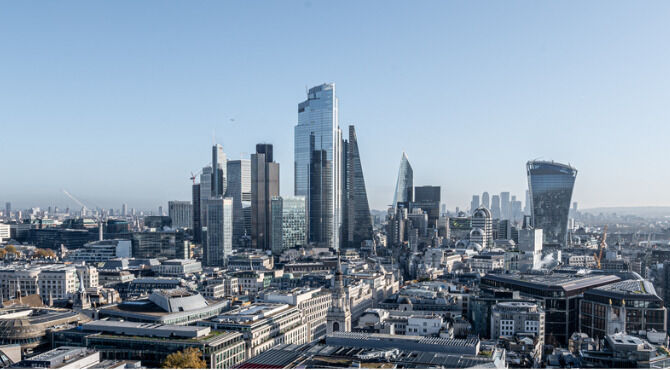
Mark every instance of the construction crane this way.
pixel 194 175
pixel 598 257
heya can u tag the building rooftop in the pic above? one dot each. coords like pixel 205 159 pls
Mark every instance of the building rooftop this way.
pixel 147 330
pixel 566 282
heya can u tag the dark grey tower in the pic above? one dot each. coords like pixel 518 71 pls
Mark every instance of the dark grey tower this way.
pixel 264 186
pixel 356 221
pixel 319 201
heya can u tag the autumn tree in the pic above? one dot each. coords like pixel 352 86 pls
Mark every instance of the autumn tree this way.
pixel 2 253
pixel 190 358
pixel 10 249
pixel 45 253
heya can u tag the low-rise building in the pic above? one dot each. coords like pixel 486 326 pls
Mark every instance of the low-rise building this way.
pixel 151 343
pixel 263 325
pixel 313 304
pixel 177 267
pixel 173 307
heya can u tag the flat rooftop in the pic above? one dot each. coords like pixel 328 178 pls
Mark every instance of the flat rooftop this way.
pixel 565 282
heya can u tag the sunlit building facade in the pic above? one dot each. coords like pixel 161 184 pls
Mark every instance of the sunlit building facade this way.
pixel 404 186
pixel 318 167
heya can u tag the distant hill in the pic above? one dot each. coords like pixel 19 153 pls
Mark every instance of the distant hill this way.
pixel 635 211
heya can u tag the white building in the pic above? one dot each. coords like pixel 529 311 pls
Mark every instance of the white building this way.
pixel 482 228
pixel 424 325
pixel 313 303
pixel 530 244
pixel 5 232
pixel 101 251
pixel 177 267
pixel 264 325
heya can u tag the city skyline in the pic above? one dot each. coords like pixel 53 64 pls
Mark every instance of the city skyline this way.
pixel 103 107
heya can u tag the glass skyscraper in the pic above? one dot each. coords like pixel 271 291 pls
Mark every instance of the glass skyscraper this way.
pixel 356 220
pixel 239 189
pixel 318 146
pixel 404 186
pixel 550 185
pixel 219 231
pixel 289 223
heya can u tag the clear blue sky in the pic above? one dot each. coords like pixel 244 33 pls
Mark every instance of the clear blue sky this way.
pixel 117 101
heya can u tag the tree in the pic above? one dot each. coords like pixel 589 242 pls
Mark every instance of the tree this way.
pixel 190 358
pixel 10 249
pixel 44 253
pixel 2 253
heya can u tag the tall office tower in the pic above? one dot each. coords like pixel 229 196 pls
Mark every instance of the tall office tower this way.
pixel 485 200
pixel 124 210
pixel 356 218
pixel 8 210
pixel 205 195
pixel 482 227
pixel 264 186
pixel 495 207
pixel 318 146
pixel 474 204
pixel 505 212
pixel 428 199
pixel 160 210
pixel 504 230
pixel 289 223
pixel 239 189
pixel 404 186
pixel 550 185
pixel 195 213
pixel 180 213
pixel 516 214
pixel 444 209
pixel 219 231
pixel 526 207
pixel 219 169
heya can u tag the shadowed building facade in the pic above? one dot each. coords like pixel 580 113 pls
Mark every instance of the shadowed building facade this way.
pixel 551 185
pixel 356 220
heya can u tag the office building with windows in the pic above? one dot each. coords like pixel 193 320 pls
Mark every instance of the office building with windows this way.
pixel 264 186
pixel 219 231
pixel 551 185
pixel 289 223
pixel 180 214
pixel 318 163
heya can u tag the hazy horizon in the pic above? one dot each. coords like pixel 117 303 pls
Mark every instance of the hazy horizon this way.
pixel 119 102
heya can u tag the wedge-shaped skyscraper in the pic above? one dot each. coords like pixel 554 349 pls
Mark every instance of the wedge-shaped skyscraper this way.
pixel 550 185
pixel 356 221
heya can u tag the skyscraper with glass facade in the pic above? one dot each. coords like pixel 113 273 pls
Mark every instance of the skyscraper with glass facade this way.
pixel 404 186
pixel 550 185
pixel 219 231
pixel 239 189
pixel 318 147
pixel 219 170
pixel 264 186
pixel 289 223
pixel 356 220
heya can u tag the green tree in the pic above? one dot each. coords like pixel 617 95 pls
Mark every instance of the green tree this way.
pixel 190 358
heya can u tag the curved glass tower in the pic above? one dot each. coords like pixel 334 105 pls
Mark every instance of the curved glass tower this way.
pixel 550 186
pixel 404 186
